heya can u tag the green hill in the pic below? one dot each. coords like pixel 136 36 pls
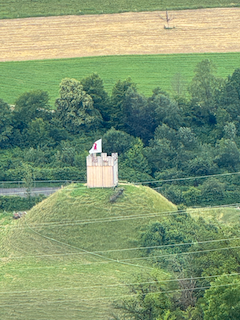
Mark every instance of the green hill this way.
pixel 63 260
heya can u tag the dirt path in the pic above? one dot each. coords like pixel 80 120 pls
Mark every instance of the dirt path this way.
pixel 205 30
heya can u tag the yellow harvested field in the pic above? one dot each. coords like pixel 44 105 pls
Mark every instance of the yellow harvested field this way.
pixel 204 30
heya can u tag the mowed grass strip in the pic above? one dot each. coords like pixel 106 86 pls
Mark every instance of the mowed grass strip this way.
pixel 60 289
pixel 29 8
pixel 147 71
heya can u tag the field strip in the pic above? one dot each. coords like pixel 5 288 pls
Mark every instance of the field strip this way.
pixel 196 31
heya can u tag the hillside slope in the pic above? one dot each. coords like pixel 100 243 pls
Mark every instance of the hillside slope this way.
pixel 62 261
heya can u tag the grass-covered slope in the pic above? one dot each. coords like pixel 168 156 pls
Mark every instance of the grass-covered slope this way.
pixel 30 8
pixel 228 216
pixel 19 77
pixel 49 267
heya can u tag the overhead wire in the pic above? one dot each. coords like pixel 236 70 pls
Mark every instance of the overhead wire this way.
pixel 130 248
pixel 147 182
pixel 134 248
pixel 129 217
pixel 114 297
pixel 89 252
pixel 155 181
pixel 187 178
pixel 180 253
pixel 120 284
pixel 123 261
pixel 107 259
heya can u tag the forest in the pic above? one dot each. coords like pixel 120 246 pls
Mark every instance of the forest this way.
pixel 185 145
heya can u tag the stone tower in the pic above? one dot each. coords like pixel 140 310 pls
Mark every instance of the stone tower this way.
pixel 102 171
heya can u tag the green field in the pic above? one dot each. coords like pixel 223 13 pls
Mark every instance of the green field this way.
pixel 47 266
pixel 148 71
pixel 33 8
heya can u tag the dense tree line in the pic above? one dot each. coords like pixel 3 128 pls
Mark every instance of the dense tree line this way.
pixel 195 273
pixel 160 137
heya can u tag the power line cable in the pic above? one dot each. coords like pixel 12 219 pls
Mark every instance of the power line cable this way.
pixel 159 181
pixel 122 261
pixel 112 298
pixel 89 252
pixel 187 178
pixel 180 253
pixel 103 220
pixel 134 248
pixel 129 217
pixel 118 284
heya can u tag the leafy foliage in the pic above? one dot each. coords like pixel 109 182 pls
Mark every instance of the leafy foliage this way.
pixel 190 251
pixel 148 301
pixel 222 299
pixel 156 138
pixel 75 108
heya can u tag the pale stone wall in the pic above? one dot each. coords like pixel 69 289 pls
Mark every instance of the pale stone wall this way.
pixel 102 171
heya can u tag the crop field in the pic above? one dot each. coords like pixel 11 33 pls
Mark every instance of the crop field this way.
pixel 147 71
pixel 194 31
pixel 132 45
pixel 33 8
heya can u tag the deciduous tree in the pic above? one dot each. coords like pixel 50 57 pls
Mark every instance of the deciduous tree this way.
pixel 93 85
pixel 75 108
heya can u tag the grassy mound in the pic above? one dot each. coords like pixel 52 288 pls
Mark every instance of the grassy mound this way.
pixel 63 260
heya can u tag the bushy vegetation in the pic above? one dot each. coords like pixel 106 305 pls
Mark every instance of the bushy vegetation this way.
pixel 158 138
pixel 202 267
pixel 16 203
pixel 28 8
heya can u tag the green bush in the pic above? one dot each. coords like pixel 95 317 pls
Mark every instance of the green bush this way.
pixel 16 203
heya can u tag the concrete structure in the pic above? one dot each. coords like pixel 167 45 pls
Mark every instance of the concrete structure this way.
pixel 102 171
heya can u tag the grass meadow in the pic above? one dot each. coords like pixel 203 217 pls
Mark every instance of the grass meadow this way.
pixel 33 8
pixel 62 261
pixel 147 71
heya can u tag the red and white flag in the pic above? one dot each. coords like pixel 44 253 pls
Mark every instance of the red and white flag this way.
pixel 97 147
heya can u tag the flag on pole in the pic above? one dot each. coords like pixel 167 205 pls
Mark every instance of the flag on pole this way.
pixel 97 147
